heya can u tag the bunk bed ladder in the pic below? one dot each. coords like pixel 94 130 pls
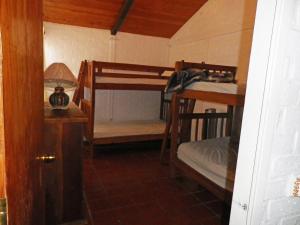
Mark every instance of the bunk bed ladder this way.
pixel 79 92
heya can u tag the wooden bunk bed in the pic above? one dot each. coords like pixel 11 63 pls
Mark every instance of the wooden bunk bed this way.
pixel 119 76
pixel 228 94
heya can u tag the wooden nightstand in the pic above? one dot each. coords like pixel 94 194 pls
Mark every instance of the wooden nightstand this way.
pixel 62 178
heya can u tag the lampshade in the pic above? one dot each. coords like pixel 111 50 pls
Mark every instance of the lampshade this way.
pixel 58 74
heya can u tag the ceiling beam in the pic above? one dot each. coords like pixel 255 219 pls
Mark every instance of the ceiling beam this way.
pixel 122 16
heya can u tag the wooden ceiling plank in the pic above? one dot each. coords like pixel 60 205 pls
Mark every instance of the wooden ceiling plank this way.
pixel 79 9
pixel 161 18
pixel 122 16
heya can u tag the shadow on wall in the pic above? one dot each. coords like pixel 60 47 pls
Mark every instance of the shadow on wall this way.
pixel 245 43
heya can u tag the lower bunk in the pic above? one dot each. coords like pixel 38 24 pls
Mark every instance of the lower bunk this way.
pixel 211 162
pixel 208 159
pixel 128 131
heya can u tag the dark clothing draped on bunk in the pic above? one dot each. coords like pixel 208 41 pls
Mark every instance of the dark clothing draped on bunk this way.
pixel 183 78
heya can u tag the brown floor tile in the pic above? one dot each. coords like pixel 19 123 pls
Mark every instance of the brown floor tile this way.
pixel 131 187
pixel 217 207
pixel 205 197
pixel 212 221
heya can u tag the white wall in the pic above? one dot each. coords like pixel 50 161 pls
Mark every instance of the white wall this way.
pixel 219 33
pixel 71 45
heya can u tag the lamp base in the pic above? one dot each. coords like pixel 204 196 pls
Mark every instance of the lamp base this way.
pixel 59 99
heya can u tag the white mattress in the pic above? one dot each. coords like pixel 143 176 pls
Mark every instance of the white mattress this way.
pixel 128 128
pixel 226 88
pixel 213 158
pixel 112 80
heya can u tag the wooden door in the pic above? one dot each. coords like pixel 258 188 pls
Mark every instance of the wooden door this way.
pixel 22 44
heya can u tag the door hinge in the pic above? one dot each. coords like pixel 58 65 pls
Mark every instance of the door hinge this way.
pixel 3 211
pixel 244 206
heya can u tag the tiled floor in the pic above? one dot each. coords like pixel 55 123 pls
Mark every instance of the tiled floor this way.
pixel 131 187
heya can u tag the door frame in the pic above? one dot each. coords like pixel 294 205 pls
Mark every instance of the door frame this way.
pixel 250 151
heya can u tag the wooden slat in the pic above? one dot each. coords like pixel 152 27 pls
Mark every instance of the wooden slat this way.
pixel 79 92
pixel 128 138
pixel 180 65
pixel 131 67
pixel 222 127
pixel 209 67
pixel 202 115
pixel 132 76
pixel 196 130
pixel 86 107
pixel 228 99
pixel 141 87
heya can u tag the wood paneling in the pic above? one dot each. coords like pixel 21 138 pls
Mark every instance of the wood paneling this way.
pixel 2 173
pixel 22 42
pixel 88 13
pixel 161 18
pixel 2 165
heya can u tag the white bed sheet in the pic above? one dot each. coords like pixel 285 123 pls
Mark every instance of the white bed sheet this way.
pixel 128 128
pixel 213 158
pixel 113 80
pixel 226 88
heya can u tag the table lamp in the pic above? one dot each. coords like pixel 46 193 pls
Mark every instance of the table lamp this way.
pixel 59 77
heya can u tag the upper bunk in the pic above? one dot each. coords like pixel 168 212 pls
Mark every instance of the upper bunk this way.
pixel 122 76
pixel 222 93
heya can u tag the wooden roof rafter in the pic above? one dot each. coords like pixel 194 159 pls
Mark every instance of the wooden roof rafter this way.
pixel 127 4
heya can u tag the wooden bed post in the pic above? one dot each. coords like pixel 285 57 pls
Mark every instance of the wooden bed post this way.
pixel 179 65
pixel 79 92
pixel 186 126
pixel 229 122
pixel 162 104
pixel 92 98
pixel 174 132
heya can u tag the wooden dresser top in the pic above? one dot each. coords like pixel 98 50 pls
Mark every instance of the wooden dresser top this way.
pixel 72 115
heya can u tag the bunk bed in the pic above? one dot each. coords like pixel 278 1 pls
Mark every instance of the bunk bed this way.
pixel 119 76
pixel 210 162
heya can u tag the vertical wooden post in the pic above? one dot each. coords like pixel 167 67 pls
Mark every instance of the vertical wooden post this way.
pixel 179 65
pixel 174 132
pixel 162 105
pixel 2 168
pixel 2 157
pixel 229 120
